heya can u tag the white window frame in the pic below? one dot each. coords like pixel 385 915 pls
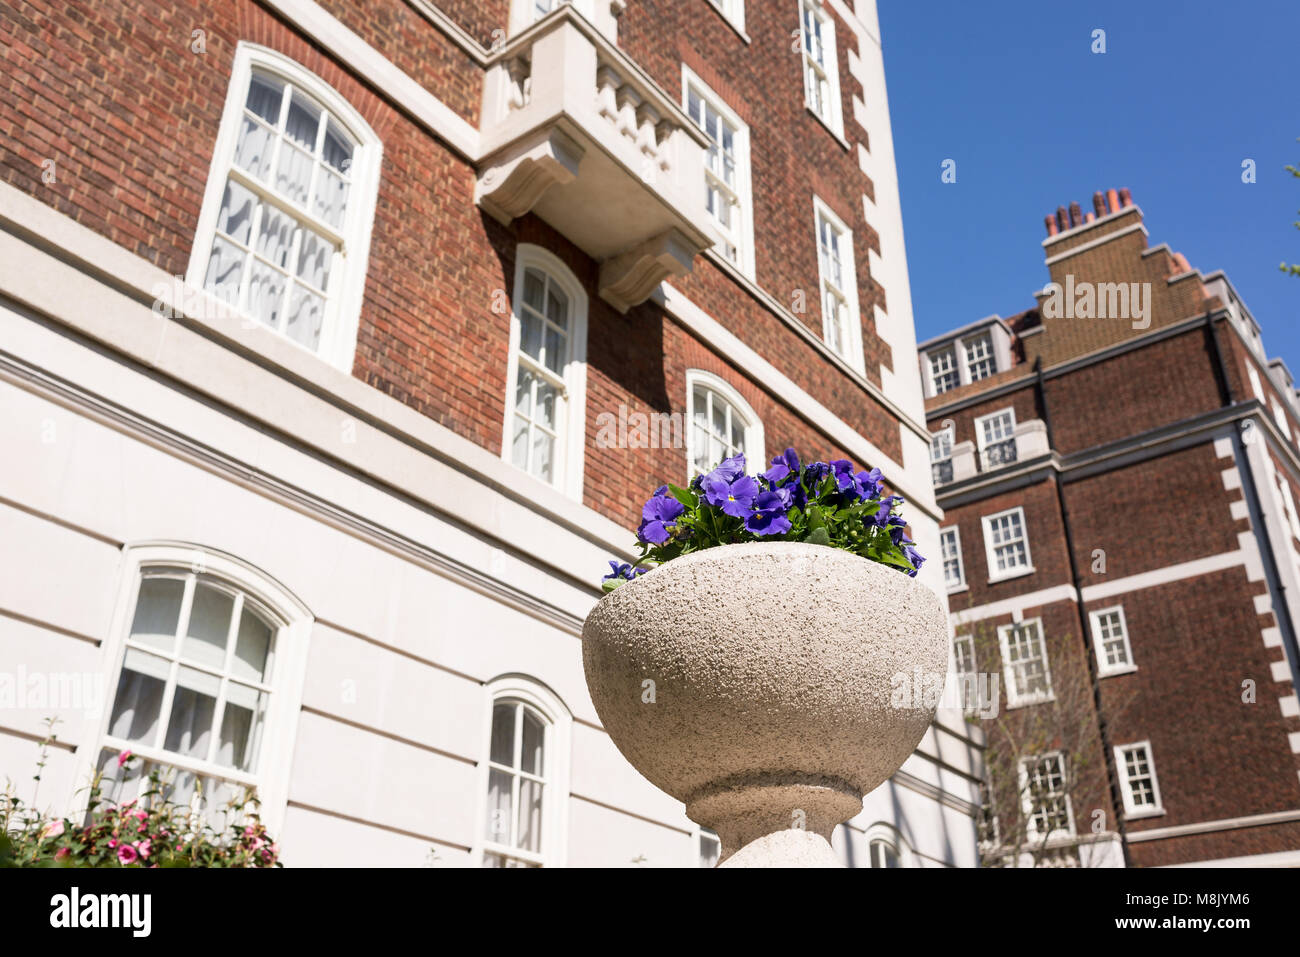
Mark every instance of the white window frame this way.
pixel 1105 670
pixel 338 340
pixel 884 833
pixel 941 441
pixel 1027 802
pixel 755 452
pixel 968 640
pixel 571 423
pixel 1133 812
pixel 934 374
pixel 960 584
pixel 556 755
pixel 1014 698
pixel 280 724
pixel 981 439
pixel 733 11
pixel 743 191
pixel 852 339
pixel 991 357
pixel 833 119
pixel 990 555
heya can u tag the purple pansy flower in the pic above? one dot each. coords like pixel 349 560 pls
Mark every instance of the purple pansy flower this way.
pixel 658 517
pixel 728 470
pixel 735 498
pixel 622 571
pixel 783 466
pixel 769 515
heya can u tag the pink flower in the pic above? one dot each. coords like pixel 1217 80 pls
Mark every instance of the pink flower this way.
pixel 140 815
pixel 53 829
pixel 122 758
pixel 112 843
pixel 145 848
pixel 142 828
pixel 62 853
pixel 126 854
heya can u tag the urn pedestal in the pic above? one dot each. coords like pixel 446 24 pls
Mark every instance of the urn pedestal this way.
pixel 754 683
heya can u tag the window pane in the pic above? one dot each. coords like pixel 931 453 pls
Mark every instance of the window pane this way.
pixel 266 294
pixel 190 723
pixel 524 392
pixel 253 148
pixel 294 174
pixel 556 351
pixel 241 727
pixel 205 640
pixel 557 307
pixel 530 816
pixel 497 828
pixel 138 700
pixel 235 218
pixel 306 317
pixel 302 123
pixel 543 452
pixel 337 149
pixel 275 237
pixel 530 334
pixel 534 739
pixel 224 270
pixel 252 648
pixel 503 734
pixel 534 284
pixel 157 611
pixel 519 443
pixel 331 197
pixel 546 400
pixel 314 259
pixel 264 97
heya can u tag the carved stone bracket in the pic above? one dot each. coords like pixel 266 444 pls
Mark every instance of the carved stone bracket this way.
pixel 628 279
pixel 512 184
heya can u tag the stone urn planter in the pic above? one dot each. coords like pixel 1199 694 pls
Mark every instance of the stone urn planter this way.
pixel 754 683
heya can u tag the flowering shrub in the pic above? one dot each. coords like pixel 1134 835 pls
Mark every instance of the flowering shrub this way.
pixel 824 503
pixel 146 832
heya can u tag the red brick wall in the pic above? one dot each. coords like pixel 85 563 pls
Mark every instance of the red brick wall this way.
pixel 793 154
pixel 1194 642
pixel 1139 390
pixel 1046 544
pixel 114 94
pixel 1153 514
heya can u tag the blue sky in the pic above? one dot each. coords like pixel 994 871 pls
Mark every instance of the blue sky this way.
pixel 1034 119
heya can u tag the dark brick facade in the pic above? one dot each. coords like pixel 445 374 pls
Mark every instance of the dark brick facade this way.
pixel 1141 427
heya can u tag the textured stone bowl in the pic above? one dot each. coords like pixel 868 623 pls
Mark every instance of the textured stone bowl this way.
pixel 754 682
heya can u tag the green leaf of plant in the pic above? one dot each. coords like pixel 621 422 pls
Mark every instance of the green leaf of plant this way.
pixel 684 495
pixel 818 536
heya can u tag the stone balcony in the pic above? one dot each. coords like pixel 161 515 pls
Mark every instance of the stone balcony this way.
pixel 576 133
pixel 1028 442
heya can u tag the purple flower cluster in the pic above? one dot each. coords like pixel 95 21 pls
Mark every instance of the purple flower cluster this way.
pixel 827 503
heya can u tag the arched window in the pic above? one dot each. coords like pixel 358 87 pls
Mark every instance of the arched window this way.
pixel 546 399
pixel 199 660
pixel 284 233
pixel 722 424
pixel 886 847
pixel 526 776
